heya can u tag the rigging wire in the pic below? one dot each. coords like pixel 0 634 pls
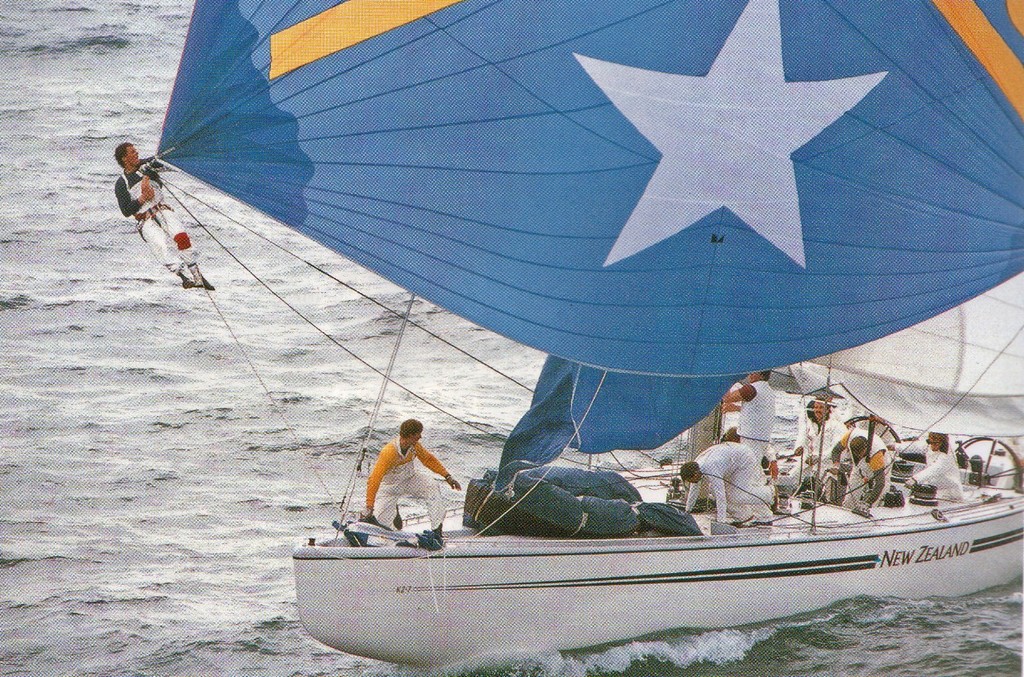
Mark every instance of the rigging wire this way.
pixel 385 381
pixel 818 480
pixel 406 320
pixel 371 425
pixel 274 405
pixel 311 323
pixel 353 289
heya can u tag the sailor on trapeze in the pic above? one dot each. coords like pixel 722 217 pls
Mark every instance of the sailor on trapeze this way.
pixel 139 194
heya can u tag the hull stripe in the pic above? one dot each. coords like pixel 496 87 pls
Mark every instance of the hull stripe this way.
pixel 733 574
pixel 998 537
pixel 996 544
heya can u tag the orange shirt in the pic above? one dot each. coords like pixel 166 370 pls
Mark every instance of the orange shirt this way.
pixel 391 458
pixel 876 461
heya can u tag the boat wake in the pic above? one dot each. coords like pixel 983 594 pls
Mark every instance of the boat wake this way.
pixel 718 647
pixel 658 655
pixel 810 641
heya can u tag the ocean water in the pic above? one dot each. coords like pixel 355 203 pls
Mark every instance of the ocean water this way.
pixel 162 452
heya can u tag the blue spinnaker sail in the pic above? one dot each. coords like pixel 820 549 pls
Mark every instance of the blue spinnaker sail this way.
pixel 665 187
pixel 593 411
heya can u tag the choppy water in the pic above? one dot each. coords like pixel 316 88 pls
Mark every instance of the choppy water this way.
pixel 150 489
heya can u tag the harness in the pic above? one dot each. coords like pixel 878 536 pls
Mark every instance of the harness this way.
pixel 151 213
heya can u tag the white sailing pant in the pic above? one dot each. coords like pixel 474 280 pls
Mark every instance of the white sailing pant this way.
pixel 762 447
pixel 162 232
pixel 747 496
pixel 409 485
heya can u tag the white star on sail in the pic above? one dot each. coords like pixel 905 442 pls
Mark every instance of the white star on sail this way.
pixel 725 138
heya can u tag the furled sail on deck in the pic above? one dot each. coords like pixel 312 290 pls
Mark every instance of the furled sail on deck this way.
pixel 662 187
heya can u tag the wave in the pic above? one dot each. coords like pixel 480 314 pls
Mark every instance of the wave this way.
pixel 303 447
pixel 260 504
pixel 98 44
pixel 164 425
pixel 99 601
pixel 718 647
pixel 59 304
pixel 646 657
pixel 131 307
pixel 10 563
pixel 15 302
pixel 291 398
pixel 218 414
pixel 149 373
pixel 296 353
pixel 811 643
pixel 12 111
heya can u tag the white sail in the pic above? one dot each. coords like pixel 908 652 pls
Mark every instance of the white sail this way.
pixel 960 372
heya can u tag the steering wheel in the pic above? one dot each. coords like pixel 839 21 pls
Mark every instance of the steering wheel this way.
pixel 997 448
pixel 881 427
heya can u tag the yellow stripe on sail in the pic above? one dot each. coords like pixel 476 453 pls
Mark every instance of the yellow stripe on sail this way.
pixel 1016 10
pixel 341 27
pixel 988 46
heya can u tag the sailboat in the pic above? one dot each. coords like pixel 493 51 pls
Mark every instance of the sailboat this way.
pixel 662 196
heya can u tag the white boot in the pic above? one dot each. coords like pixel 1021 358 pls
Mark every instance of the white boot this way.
pixel 200 281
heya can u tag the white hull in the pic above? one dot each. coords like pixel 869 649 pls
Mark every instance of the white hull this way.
pixel 502 596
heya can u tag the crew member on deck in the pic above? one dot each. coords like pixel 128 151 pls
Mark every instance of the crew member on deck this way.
pixel 395 476
pixel 819 430
pixel 735 478
pixel 819 434
pixel 941 471
pixel 869 478
pixel 756 402
pixel 139 194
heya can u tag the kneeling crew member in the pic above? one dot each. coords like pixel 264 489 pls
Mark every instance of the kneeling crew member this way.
pixel 395 476
pixel 869 478
pixel 735 478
